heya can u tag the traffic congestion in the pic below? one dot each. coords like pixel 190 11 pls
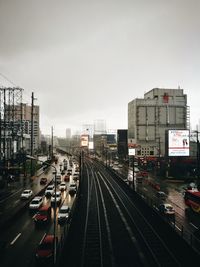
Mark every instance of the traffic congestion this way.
pixel 44 209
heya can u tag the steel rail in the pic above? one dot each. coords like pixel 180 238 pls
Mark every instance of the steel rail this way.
pixel 152 240
pixel 92 241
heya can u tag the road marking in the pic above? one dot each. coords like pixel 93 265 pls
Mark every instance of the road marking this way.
pixel 177 227
pixel 194 225
pixel 15 239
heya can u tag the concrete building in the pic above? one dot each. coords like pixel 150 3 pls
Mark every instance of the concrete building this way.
pixel 68 133
pixel 26 121
pixel 150 117
pixel 100 127
pixel 122 143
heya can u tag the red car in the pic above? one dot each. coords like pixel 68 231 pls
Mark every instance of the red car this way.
pixel 144 173
pixel 43 216
pixel 45 249
pixel 66 178
pixel 43 180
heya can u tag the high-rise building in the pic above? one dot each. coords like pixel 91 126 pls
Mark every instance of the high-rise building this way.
pixel 150 117
pixel 100 127
pixel 122 143
pixel 68 133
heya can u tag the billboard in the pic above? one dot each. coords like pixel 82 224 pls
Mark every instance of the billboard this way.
pixel 178 143
pixel 131 151
pixel 91 145
pixel 84 140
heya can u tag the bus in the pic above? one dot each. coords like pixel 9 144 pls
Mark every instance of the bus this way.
pixel 192 199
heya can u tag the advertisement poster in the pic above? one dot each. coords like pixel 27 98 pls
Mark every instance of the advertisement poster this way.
pixel 178 143
pixel 84 140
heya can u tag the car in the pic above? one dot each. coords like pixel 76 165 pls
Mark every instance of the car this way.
pixel 63 214
pixel 161 195
pixel 139 179
pixel 77 169
pixel 49 190
pixel 43 180
pixel 26 194
pixel 62 172
pixel 72 188
pixel 62 186
pixel 166 209
pixel 58 179
pixel 36 203
pixel 45 250
pixel 66 178
pixel 69 170
pixel 76 176
pixel 143 173
pixel 43 216
pixel 56 196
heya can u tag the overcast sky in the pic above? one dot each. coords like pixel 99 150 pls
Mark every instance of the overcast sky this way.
pixel 86 59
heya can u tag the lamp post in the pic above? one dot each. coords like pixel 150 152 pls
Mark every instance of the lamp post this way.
pixel 55 204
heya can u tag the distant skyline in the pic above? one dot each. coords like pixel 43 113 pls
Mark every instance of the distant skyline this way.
pixel 85 60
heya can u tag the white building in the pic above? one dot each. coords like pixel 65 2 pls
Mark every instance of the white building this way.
pixel 150 117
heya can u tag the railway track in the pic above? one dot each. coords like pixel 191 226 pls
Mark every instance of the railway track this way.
pixel 114 227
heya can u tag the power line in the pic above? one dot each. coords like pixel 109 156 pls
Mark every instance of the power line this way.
pixel 8 80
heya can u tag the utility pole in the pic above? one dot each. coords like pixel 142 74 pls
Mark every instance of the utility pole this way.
pixel 198 159
pixel 0 130
pixel 32 130
pixel 133 172
pixel 51 142
pixel 4 137
pixel 159 154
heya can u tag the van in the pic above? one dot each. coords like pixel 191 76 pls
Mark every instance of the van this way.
pixel 43 216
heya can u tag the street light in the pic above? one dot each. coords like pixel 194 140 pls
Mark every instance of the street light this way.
pixel 55 203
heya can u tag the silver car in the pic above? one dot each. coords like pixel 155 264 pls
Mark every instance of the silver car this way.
pixel 63 214
pixel 26 194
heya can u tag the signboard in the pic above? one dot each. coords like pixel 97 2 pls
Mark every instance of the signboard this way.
pixel 84 140
pixel 131 151
pixel 178 143
pixel 91 145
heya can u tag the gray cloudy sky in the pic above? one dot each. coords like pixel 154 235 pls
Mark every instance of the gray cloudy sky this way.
pixel 86 59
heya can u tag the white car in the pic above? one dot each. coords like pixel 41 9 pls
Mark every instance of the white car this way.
pixel 49 190
pixel 36 203
pixel 63 213
pixel 62 186
pixel 26 194
pixel 56 196
pixel 167 209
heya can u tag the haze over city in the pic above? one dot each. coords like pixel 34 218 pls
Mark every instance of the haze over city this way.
pixel 85 60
